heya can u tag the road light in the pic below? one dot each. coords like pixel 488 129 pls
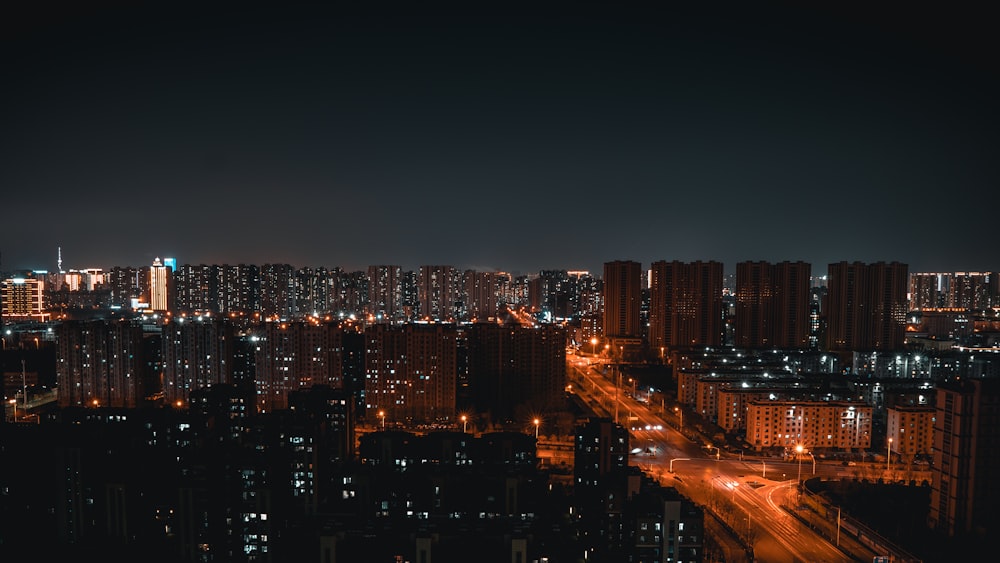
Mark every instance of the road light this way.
pixel 888 455
pixel 465 423
pixel 593 346
pixel 671 467
pixel 14 402
pixel 381 415
pixel 798 450
pixel 536 422
pixel 680 415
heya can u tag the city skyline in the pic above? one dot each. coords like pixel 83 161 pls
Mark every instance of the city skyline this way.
pixel 555 137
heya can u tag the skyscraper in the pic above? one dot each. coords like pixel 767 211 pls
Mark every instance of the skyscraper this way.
pixel 685 307
pixel 385 293
pixel 411 372
pixel 772 305
pixel 437 293
pixel 622 299
pixel 866 306
pixel 159 287
pixel 100 363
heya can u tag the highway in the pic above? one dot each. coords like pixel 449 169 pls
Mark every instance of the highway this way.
pixel 755 497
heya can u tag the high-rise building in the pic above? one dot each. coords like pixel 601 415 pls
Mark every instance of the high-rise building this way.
pixel 437 293
pixel 964 495
pixel 385 293
pixel 293 355
pixel 277 291
pixel 866 306
pixel 685 306
pixel 772 305
pixel 127 285
pixel 482 295
pixel 971 291
pixel 100 363
pixel 159 287
pixel 411 373
pixel 514 368
pixel 197 353
pixel 23 299
pixel 622 299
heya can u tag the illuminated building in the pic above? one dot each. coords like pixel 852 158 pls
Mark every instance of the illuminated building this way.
pixel 385 293
pixel 23 299
pixel 437 290
pixel 814 424
pixel 685 304
pixel 866 306
pixel 292 355
pixel 100 363
pixel 911 428
pixel 622 299
pixel 197 353
pixel 159 287
pixel 410 373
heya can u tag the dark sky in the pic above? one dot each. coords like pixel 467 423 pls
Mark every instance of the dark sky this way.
pixel 511 137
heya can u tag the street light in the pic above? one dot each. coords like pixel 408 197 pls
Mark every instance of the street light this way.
pixel 465 423
pixel 888 455
pixel 381 415
pixel 537 422
pixel 798 450
pixel 680 415
pixel 593 346
pixel 671 467
pixel 14 402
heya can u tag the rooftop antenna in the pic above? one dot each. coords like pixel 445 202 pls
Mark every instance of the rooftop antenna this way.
pixel 59 259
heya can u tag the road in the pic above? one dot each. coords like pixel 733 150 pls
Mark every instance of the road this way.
pixel 755 497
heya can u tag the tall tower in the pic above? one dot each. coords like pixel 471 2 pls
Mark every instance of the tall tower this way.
pixel 685 304
pixel 866 306
pixel 385 292
pixel 437 293
pixel 622 299
pixel 772 305
pixel 159 286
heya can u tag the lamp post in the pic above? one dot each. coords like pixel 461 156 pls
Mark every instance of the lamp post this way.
pixel 14 402
pixel 680 416
pixel 593 347
pixel 465 423
pixel 536 422
pixel 798 450
pixel 888 455
pixel 671 466
pixel 381 415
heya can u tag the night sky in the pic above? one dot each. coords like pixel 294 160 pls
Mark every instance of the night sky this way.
pixel 515 138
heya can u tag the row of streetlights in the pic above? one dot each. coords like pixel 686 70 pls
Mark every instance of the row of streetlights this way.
pixel 465 422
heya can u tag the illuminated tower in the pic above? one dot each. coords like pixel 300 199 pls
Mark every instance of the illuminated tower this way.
pixel 437 293
pixel 159 287
pixel 385 292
